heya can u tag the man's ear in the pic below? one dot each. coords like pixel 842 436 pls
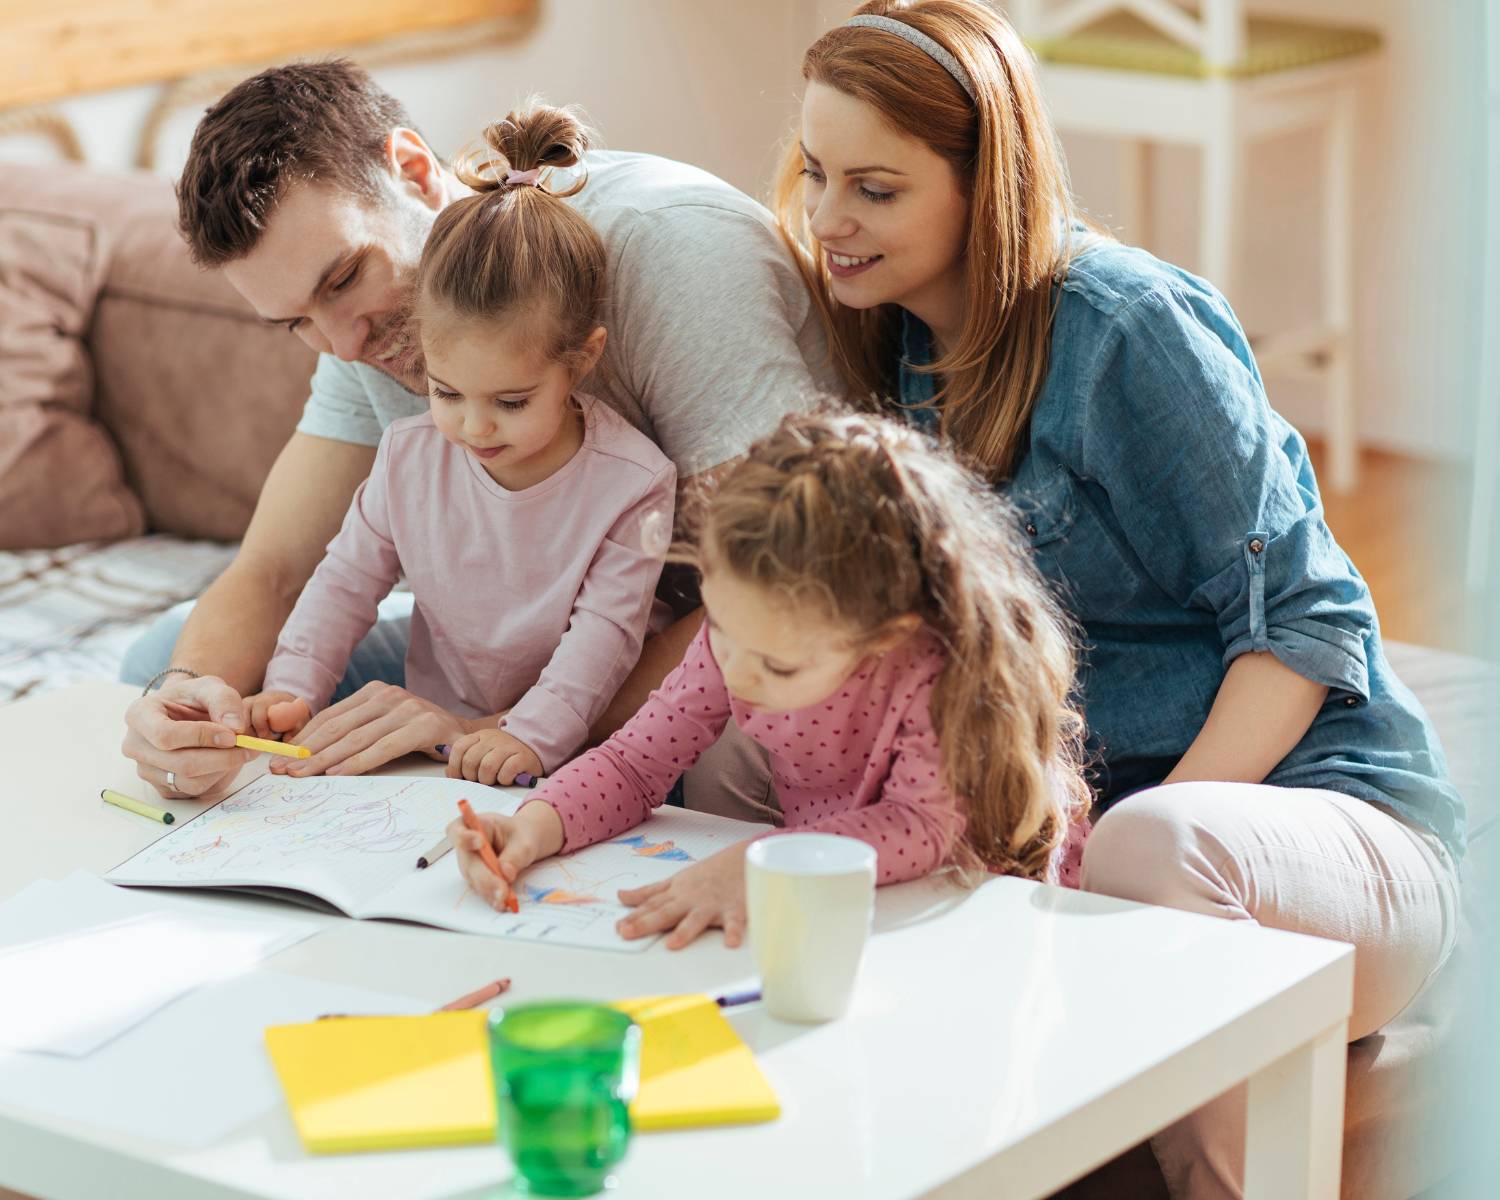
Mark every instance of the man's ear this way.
pixel 414 166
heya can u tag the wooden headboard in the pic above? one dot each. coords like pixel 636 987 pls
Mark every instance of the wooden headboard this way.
pixel 61 48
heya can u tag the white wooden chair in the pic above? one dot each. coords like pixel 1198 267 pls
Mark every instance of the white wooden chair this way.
pixel 1156 72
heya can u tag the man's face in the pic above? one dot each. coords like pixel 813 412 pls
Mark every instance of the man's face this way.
pixel 338 270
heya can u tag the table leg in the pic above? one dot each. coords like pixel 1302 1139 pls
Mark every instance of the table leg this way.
pixel 1294 1125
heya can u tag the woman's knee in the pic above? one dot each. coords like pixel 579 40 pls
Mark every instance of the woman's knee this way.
pixel 1153 848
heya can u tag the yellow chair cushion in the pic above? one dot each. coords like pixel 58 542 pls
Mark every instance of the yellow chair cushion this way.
pixel 1124 41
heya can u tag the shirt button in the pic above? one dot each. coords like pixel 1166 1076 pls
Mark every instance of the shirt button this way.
pixel 1030 529
pixel 1350 701
pixel 1256 545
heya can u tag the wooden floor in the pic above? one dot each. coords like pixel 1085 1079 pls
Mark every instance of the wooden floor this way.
pixel 1405 526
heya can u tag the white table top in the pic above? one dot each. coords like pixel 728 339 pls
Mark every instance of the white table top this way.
pixel 1017 1033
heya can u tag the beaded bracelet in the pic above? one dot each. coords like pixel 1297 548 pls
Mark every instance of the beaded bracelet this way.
pixel 160 675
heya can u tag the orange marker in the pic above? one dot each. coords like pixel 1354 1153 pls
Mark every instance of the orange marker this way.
pixel 487 854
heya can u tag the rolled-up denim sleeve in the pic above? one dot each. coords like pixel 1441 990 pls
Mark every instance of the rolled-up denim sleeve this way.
pixel 1213 491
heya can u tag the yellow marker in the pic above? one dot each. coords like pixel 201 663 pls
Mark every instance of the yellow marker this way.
pixel 120 800
pixel 285 749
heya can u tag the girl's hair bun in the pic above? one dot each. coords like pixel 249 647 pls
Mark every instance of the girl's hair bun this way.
pixel 533 137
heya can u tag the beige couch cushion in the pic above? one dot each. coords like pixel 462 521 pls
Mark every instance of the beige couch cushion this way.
pixel 199 393
pixel 139 392
pixel 60 474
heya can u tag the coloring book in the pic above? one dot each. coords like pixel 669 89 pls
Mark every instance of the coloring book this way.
pixel 353 842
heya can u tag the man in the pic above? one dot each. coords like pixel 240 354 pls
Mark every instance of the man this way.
pixel 308 187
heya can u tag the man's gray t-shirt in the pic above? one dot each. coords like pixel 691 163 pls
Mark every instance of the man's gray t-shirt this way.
pixel 712 336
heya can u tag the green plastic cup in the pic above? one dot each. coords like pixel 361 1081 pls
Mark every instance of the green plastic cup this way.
pixel 565 1074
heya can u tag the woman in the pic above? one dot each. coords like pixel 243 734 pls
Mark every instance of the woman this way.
pixel 1257 757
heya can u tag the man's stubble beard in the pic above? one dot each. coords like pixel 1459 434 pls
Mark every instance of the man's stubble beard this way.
pixel 402 359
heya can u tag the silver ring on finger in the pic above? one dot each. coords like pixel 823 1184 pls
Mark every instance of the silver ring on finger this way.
pixel 172 781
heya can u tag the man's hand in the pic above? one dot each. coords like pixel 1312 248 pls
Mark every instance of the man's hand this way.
pixel 187 727
pixel 276 714
pixel 533 833
pixel 711 892
pixel 491 756
pixel 377 724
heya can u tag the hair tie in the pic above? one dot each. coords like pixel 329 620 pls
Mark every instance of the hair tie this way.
pixel 531 178
pixel 922 42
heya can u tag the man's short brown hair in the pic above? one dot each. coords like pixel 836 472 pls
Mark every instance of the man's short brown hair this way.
pixel 323 121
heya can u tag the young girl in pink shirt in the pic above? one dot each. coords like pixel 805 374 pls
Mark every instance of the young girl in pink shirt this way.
pixel 875 624
pixel 529 520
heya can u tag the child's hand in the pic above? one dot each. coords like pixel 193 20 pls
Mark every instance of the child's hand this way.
pixel 276 714
pixel 534 832
pixel 711 892
pixel 491 756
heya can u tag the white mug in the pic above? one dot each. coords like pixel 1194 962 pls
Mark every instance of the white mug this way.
pixel 810 898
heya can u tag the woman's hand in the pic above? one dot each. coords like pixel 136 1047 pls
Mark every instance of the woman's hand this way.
pixel 711 892
pixel 491 756
pixel 377 724
pixel 276 714
pixel 533 833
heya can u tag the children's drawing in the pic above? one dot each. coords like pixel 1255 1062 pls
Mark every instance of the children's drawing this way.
pixel 532 894
pixel 354 841
pixel 644 847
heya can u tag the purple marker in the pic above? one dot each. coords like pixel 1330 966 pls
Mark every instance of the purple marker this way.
pixel 734 999
pixel 523 779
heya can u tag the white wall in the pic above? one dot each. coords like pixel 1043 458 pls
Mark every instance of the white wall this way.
pixel 715 82
pixel 1416 220
pixel 709 81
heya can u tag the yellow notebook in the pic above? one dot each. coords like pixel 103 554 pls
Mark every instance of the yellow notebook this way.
pixel 386 1083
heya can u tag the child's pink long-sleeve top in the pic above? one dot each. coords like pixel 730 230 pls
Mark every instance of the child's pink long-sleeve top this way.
pixel 864 763
pixel 536 601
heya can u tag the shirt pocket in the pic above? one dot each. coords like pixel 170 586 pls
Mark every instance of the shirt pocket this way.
pixel 1076 550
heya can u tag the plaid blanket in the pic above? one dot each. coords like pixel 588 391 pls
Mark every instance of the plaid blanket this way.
pixel 69 615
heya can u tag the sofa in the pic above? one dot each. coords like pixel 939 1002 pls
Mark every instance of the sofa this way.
pixel 142 405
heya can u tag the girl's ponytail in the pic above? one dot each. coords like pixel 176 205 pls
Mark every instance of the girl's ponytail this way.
pixel 513 249
pixel 520 148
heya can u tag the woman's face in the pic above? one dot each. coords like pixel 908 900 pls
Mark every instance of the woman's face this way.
pixel 888 212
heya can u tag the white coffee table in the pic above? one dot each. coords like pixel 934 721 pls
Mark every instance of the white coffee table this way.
pixel 1002 1042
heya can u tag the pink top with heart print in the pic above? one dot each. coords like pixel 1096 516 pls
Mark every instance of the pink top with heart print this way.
pixel 864 763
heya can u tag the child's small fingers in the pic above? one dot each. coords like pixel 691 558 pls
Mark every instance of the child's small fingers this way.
pixel 489 767
pixel 286 715
pixel 692 924
pixel 634 896
pixel 734 929
pixel 652 917
pixel 473 756
pixel 505 774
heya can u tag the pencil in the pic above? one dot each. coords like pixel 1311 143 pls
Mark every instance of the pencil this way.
pixel 436 852
pixel 485 852
pixel 120 800
pixel 473 1000
pixel 477 997
pixel 285 749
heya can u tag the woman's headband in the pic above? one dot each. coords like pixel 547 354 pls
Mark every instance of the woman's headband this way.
pixel 922 42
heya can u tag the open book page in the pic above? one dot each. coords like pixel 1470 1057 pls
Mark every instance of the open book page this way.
pixel 345 840
pixel 572 900
pixel 354 842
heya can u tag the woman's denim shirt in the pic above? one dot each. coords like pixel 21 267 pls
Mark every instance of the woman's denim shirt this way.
pixel 1178 516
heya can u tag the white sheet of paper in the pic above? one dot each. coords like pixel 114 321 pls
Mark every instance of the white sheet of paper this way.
pixel 83 961
pixel 193 1072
